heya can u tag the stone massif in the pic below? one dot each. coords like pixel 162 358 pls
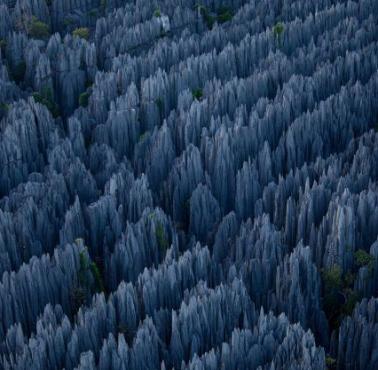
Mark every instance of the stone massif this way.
pixel 188 185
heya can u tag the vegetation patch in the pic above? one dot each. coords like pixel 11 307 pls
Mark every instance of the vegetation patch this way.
pixel 331 363
pixel 340 298
pixel 160 237
pixel 97 276
pixel 46 97
pixel 278 29
pixel 84 99
pixel 144 136
pixel 82 32
pixel 197 94
pixel 363 258
pixel 38 29
pixel 224 15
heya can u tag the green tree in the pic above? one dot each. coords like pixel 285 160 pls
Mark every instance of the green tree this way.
pixel 363 258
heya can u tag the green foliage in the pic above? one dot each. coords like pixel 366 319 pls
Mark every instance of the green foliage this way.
pixel 332 278
pixel 224 15
pixel 157 13
pixel 333 296
pixel 207 17
pixel 83 99
pixel 339 296
pixel 87 266
pixel 278 29
pixel 97 276
pixel 362 258
pixel 68 21
pixel 50 105
pixel 84 266
pixel 38 29
pixel 352 299
pixel 330 363
pixel 349 278
pixel 197 94
pixel 46 98
pixel 82 32
pixel 4 107
pixel 144 136
pixel 18 72
pixel 160 237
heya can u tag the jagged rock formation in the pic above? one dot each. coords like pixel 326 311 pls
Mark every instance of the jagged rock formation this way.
pixel 188 185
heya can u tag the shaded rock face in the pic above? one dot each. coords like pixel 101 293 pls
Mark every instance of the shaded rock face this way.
pixel 188 186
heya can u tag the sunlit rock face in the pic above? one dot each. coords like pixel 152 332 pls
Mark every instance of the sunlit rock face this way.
pixel 188 185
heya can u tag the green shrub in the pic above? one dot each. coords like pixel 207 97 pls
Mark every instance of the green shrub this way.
pixel 3 109
pixel 38 29
pixel 330 363
pixel 97 276
pixel 349 279
pixel 160 237
pixel 157 13
pixel 206 16
pixel 197 94
pixel 46 98
pixel 87 269
pixel 352 298
pixel 278 29
pixel 332 278
pixel 224 15
pixel 333 295
pixel 82 32
pixel 144 136
pixel 84 99
pixel 84 266
pixel 339 296
pixel 68 21
pixel 362 258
